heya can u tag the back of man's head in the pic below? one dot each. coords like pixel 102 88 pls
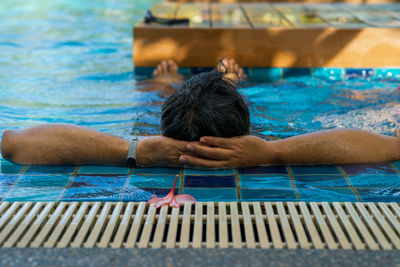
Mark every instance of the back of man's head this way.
pixel 205 105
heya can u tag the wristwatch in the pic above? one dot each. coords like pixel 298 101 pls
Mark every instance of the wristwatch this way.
pixel 131 157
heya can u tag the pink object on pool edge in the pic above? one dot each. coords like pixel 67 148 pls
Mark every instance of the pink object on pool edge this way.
pixel 171 199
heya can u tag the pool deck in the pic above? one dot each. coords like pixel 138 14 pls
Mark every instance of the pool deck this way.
pixel 272 35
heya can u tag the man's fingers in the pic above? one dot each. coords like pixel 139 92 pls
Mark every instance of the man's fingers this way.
pixel 209 152
pixel 193 161
pixel 217 141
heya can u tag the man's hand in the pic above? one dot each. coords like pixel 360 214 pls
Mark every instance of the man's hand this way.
pixel 161 151
pixel 214 152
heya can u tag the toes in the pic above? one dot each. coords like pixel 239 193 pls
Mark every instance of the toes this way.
pixel 173 67
pixel 164 66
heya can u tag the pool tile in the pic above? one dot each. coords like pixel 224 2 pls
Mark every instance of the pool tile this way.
pixel 295 72
pixel 134 194
pixel 330 74
pixel 144 71
pixel 359 73
pixel 96 169
pixel 397 165
pixel 266 74
pixel 325 180
pixel 314 169
pixel 386 194
pixel 44 180
pixel 375 181
pixel 92 194
pixel 190 171
pixel 368 169
pixel 34 194
pixel 267 181
pixel 326 194
pixel 82 180
pixel 276 169
pixel 268 195
pixel 156 181
pixel 51 169
pixel 156 171
pixel 7 167
pixel 388 73
pixel 212 194
pixel 8 180
pixel 209 181
pixel 184 71
pixel 159 192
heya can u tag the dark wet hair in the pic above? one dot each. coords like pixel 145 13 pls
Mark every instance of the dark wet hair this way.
pixel 207 104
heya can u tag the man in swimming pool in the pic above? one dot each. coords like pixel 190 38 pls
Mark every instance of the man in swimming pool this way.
pixel 204 125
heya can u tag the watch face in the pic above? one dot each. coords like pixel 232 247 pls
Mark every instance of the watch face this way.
pixel 131 162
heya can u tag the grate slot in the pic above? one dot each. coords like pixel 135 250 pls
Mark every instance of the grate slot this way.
pixel 291 225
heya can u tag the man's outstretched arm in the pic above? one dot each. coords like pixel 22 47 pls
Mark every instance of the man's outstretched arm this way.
pixel 52 144
pixel 331 147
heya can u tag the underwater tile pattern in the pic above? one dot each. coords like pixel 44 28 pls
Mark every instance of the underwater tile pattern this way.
pixel 372 182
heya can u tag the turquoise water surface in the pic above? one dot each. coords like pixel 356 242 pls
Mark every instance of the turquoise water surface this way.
pixel 71 62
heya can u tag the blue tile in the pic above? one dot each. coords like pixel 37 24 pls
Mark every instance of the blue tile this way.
pixel 159 192
pixel 327 194
pixel 144 71
pixel 82 180
pixel 7 167
pixel 330 74
pixel 133 194
pixel 295 72
pixel 397 165
pixel 368 169
pixel 7 180
pixel 184 71
pixel 44 180
pixel 156 181
pixel 267 181
pixel 209 181
pixel 387 194
pixel 212 194
pixel 387 73
pixel 34 194
pixel 51 169
pixel 190 171
pixel 359 73
pixel 92 194
pixel 267 195
pixel 156 171
pixel 96 169
pixel 326 180
pixel 375 181
pixel 314 169
pixel 266 74
pixel 276 169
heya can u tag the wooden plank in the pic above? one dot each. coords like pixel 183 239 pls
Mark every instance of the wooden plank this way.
pixel 86 226
pixel 323 226
pixel 111 226
pixel 235 225
pixel 387 229
pixel 222 225
pixel 160 227
pixel 262 233
pixel 185 230
pixel 337 229
pixel 368 239
pixel 197 13
pixel 137 222
pixel 298 226
pixel 392 219
pixel 147 227
pixel 270 47
pixel 198 225
pixel 228 16
pixel 123 226
pixel 210 234
pixel 354 238
pixel 285 225
pixel 248 226
pixel 9 227
pixel 173 228
pixel 9 213
pixel 264 16
pixel 315 238
pixel 273 226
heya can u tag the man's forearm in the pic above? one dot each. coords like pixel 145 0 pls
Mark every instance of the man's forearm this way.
pixel 337 146
pixel 62 144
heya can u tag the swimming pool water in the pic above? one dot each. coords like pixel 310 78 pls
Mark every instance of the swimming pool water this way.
pixel 71 62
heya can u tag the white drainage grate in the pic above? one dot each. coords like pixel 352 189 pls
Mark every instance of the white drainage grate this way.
pixel 276 225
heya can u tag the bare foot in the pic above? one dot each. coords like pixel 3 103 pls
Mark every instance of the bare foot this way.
pixel 232 69
pixel 167 72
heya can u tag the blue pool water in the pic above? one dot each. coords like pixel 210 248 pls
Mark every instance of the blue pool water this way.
pixel 71 62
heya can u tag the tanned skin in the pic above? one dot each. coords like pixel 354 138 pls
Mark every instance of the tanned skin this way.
pixel 68 144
